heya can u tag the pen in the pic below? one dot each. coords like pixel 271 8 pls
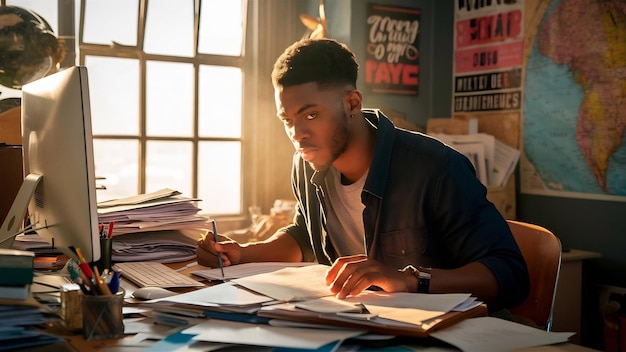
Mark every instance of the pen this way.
pixel 219 256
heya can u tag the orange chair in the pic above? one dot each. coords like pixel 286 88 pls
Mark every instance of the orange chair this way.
pixel 542 251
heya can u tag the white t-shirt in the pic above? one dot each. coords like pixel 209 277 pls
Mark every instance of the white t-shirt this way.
pixel 344 216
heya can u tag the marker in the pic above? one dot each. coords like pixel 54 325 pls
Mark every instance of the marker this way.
pixel 84 266
pixel 114 283
pixel 110 232
pixel 219 256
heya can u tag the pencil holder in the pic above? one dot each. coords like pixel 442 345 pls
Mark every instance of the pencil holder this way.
pixel 102 316
pixel 106 251
pixel 71 310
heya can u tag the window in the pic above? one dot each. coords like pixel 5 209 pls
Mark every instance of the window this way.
pixel 166 84
pixel 176 102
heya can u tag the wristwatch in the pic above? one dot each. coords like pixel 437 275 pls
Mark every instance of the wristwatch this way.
pixel 423 277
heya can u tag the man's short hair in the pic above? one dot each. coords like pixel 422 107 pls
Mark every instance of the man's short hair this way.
pixel 323 61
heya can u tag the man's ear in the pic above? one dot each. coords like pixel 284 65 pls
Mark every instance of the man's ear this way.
pixel 353 102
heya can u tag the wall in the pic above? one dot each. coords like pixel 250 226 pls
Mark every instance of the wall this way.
pixel 346 23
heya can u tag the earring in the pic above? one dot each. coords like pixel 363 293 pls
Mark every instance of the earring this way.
pixel 352 116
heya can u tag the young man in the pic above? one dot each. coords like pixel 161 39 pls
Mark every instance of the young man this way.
pixel 385 207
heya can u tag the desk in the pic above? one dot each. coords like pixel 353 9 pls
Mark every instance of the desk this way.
pixel 567 307
pixel 78 343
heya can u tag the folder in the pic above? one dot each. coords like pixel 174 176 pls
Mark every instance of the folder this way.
pixel 372 326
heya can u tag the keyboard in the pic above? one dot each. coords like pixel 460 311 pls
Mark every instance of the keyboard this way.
pixel 154 274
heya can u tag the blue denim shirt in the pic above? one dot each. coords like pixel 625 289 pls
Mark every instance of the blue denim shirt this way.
pixel 424 206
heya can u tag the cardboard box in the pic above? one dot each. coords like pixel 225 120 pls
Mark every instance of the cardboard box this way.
pixel 504 198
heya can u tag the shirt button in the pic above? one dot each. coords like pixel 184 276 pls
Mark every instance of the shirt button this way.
pixel 402 252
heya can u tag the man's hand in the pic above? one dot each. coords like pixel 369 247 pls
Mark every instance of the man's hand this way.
pixel 208 250
pixel 349 276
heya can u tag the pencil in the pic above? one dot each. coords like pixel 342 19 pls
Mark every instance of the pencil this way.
pixel 219 256
pixel 100 284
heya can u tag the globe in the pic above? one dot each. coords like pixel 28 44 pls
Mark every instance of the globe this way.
pixel 29 49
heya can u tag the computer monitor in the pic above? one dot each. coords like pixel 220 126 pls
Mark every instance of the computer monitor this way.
pixel 59 189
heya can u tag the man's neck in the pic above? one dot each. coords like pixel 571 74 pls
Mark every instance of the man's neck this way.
pixel 356 159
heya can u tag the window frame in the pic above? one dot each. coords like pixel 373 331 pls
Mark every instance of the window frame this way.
pixel 266 152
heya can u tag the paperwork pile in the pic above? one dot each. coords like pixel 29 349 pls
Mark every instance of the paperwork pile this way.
pixel 19 320
pixel 291 308
pixel 165 209
pixel 493 160
pixel 160 226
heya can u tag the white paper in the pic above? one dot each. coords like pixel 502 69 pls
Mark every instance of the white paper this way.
pixel 265 335
pixel 141 198
pixel 329 304
pixel 505 161
pixel 223 294
pixel 487 334
pixel 479 148
pixel 290 284
pixel 245 270
pixel 438 302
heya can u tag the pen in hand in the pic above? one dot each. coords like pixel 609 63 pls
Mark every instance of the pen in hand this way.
pixel 219 256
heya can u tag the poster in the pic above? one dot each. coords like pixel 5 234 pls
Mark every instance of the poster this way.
pixel 488 56
pixel 391 62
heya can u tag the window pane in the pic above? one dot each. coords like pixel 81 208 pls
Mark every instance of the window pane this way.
pixel 168 165
pixel 48 10
pixel 220 100
pixel 169 99
pixel 169 28
pixel 114 95
pixel 221 27
pixel 219 177
pixel 108 21
pixel 117 161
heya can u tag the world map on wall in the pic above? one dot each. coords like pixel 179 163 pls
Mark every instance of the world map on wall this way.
pixel 574 117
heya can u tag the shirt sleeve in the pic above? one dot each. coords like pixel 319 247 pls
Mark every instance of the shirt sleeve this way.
pixel 473 230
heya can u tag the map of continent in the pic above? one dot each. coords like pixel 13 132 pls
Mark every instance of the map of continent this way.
pixel 574 119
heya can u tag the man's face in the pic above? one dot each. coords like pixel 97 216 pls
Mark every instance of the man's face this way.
pixel 315 121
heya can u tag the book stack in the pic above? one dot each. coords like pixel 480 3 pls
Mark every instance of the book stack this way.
pixel 17 273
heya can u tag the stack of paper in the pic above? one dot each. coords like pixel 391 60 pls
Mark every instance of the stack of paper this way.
pixel 292 309
pixel 19 320
pixel 161 226
pixel 165 209
pixel 493 160
pixel 164 246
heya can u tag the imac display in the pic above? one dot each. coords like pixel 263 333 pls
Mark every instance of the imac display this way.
pixel 59 188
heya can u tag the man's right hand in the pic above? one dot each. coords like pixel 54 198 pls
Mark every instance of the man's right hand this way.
pixel 208 250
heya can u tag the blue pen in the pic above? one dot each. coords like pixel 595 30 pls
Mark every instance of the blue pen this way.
pixel 219 256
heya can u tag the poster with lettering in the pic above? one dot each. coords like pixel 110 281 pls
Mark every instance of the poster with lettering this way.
pixel 392 52
pixel 488 56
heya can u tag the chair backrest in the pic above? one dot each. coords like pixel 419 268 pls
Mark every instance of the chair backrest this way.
pixel 542 251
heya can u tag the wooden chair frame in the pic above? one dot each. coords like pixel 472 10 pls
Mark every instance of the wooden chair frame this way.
pixel 541 250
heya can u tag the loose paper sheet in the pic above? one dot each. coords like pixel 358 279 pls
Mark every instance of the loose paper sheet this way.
pixel 487 334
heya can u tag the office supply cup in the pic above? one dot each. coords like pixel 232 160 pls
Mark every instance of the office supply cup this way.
pixel 106 252
pixel 102 316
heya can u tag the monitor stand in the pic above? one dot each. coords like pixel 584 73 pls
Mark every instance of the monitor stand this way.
pixel 15 217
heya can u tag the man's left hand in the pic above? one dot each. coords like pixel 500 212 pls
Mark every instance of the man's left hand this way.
pixel 349 276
